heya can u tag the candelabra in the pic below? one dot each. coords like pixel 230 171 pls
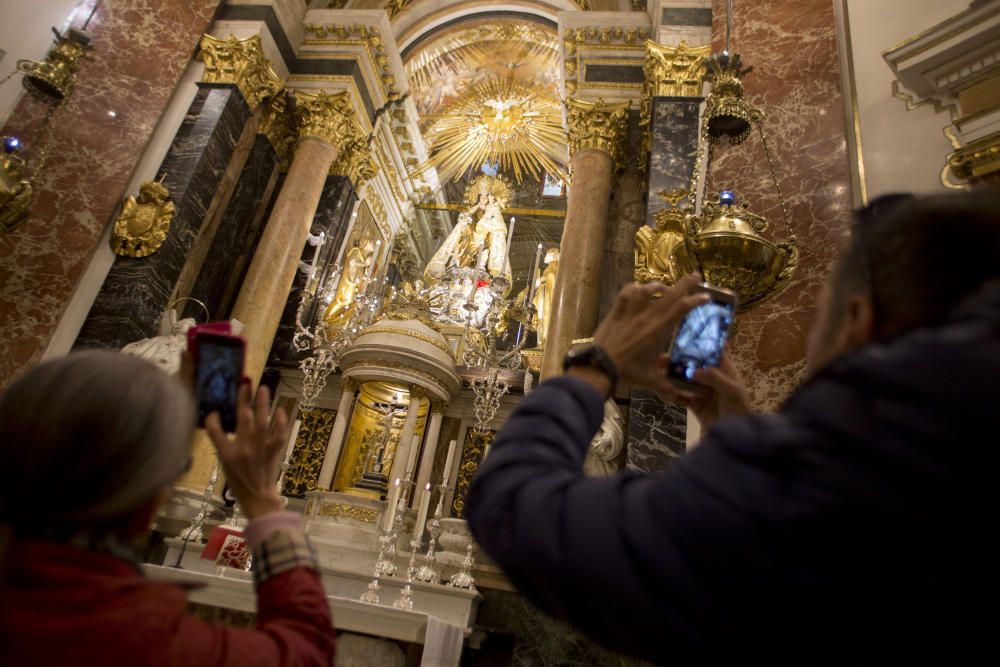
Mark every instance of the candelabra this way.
pixel 480 345
pixel 463 578
pixel 194 531
pixel 405 599
pixel 385 564
pixel 427 572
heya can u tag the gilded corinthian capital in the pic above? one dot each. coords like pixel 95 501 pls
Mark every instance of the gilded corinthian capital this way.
pixel 326 116
pixel 240 62
pixel 674 71
pixel 597 126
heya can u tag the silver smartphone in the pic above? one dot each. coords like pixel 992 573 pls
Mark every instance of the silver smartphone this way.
pixel 702 335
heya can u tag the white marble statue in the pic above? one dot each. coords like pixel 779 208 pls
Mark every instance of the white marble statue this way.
pixel 607 445
pixel 165 350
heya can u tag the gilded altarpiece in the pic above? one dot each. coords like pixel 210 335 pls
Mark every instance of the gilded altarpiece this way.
pixel 473 452
pixel 308 452
pixel 368 448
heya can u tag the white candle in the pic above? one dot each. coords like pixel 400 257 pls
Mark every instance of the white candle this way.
pixel 411 456
pixel 506 257
pixel 390 506
pixel 425 503
pixel 448 461
pixel 319 246
pixel 533 278
pixel 291 439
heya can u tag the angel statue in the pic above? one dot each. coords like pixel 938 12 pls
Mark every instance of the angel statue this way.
pixel 488 196
pixel 352 281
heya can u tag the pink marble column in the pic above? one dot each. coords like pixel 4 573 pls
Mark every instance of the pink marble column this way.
pixel 141 49
pixel 597 133
pixel 796 81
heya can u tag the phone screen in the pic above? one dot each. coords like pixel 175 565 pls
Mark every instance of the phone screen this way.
pixel 217 378
pixel 700 340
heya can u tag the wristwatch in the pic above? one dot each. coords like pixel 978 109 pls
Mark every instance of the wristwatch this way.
pixel 592 355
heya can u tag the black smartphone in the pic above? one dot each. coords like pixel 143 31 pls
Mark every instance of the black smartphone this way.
pixel 702 335
pixel 218 362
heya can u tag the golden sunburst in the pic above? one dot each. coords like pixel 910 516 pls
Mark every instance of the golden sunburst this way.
pixel 499 121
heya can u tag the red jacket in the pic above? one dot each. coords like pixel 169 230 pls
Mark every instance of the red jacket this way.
pixel 62 605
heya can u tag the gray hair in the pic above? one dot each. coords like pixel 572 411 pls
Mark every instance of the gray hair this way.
pixel 85 440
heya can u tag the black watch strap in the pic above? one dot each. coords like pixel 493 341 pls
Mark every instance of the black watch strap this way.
pixel 595 356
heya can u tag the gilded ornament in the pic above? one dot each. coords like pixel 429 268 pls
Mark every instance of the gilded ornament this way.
pixel 499 120
pixel 727 114
pixel 367 35
pixel 375 204
pixel 977 159
pixel 240 62
pixel 661 253
pixel 143 223
pixel 354 160
pixel 727 245
pixel 326 116
pixel 349 511
pixel 278 125
pixel 473 452
pixel 597 126
pixel 308 452
pixel 669 72
pixel 56 75
pixel 15 188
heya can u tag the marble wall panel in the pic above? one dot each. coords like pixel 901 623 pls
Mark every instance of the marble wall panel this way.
pixel 332 217
pixel 796 81
pixel 239 231
pixel 673 145
pixel 137 290
pixel 656 432
pixel 141 49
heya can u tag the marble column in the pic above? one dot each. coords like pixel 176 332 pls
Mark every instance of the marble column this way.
pixel 348 392
pixel 324 123
pixel 596 137
pixel 406 435
pixel 657 431
pixel 137 290
pixel 430 450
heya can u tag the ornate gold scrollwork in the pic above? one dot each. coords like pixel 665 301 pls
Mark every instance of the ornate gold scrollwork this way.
pixel 661 253
pixel 242 63
pixel 350 511
pixel 354 160
pixel 977 159
pixel 308 452
pixel 143 223
pixel 472 455
pixel 597 126
pixel 326 116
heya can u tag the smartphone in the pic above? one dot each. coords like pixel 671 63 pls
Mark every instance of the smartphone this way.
pixel 218 372
pixel 702 335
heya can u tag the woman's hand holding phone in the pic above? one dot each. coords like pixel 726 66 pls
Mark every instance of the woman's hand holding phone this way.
pixel 251 458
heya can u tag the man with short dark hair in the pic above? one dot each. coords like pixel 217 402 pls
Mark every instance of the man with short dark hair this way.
pixel 855 520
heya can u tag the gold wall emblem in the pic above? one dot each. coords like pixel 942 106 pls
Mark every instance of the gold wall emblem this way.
pixel 143 224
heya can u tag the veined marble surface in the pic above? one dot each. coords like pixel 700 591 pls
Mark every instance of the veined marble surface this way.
pixel 656 432
pixel 796 81
pixel 141 49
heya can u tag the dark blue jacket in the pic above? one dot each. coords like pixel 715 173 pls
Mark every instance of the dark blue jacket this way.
pixel 860 518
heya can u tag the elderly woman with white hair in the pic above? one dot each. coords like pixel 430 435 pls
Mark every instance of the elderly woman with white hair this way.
pixel 91 445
